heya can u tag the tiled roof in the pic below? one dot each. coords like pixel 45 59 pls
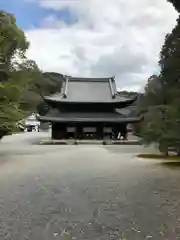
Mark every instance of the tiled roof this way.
pixel 91 90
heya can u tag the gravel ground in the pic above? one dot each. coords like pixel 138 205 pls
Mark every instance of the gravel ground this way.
pixel 85 192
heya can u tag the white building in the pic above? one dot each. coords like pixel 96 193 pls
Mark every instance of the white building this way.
pixel 30 123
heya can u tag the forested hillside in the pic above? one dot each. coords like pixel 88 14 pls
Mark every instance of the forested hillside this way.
pixel 46 84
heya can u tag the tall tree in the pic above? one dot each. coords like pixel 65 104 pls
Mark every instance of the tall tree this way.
pixel 16 72
pixel 13 43
pixel 162 103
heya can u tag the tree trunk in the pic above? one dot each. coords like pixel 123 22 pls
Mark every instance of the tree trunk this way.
pixel 178 151
pixel 166 153
pixel 164 149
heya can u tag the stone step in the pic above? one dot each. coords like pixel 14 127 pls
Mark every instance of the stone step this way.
pixel 92 142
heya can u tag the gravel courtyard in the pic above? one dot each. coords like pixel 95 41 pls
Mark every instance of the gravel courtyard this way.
pixel 85 192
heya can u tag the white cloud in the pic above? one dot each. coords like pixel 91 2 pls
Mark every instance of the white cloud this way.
pixel 112 37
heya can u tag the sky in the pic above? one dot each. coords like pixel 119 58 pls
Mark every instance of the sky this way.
pixel 96 38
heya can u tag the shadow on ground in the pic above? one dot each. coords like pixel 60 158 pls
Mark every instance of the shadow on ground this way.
pixel 171 164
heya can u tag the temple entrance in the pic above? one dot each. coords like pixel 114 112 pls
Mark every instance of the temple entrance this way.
pixel 89 132
pixel 85 131
pixel 59 131
pixel 71 132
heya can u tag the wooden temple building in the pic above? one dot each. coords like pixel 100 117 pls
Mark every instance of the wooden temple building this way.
pixel 88 108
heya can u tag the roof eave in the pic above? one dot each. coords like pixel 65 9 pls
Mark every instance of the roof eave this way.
pixel 99 120
pixel 115 103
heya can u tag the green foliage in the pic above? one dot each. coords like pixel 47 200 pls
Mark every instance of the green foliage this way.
pixel 43 108
pixel 51 82
pixel 22 85
pixel 161 100
pixel 11 91
pixel 128 94
pixel 161 109
pixel 20 72
pixel 169 59
pixel 44 84
pixel 13 43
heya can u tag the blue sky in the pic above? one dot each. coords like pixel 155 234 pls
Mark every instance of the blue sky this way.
pixel 30 14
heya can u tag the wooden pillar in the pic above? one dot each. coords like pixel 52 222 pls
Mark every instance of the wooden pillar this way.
pixel 53 131
pixel 124 131
pixel 79 131
pixel 100 133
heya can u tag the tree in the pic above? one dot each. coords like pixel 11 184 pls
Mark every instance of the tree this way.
pixel 13 43
pixel 162 126
pixel 20 72
pixel 161 100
